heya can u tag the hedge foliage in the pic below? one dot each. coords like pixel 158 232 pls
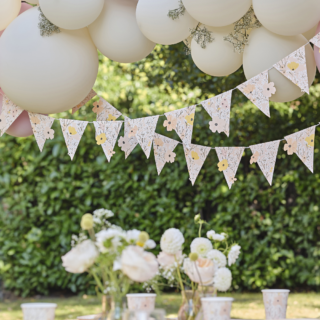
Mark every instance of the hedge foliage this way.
pixel 43 195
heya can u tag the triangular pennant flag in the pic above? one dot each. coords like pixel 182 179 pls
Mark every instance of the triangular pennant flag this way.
pixel 163 150
pixel 90 95
pixel 41 127
pixel 294 67
pixel 218 108
pixel 302 143
pixel 72 131
pixel 106 135
pixel 316 40
pixel 128 142
pixel 182 122
pixel 229 158
pixel 144 130
pixel 195 157
pixel 265 154
pixel 105 111
pixel 10 112
pixel 258 90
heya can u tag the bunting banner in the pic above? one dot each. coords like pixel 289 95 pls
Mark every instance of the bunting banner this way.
pixel 195 157
pixel 302 143
pixel 106 135
pixel 229 158
pixel 294 67
pixel 163 150
pixel 105 111
pixel 41 127
pixel 258 90
pixel 10 112
pixel 90 96
pixel 72 131
pixel 316 40
pixel 181 121
pixel 219 110
pixel 128 142
pixel 265 154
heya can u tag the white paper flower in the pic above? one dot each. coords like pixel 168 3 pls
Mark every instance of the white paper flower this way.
pixel 132 236
pixel 200 271
pixel 114 234
pixel 222 279
pixel 201 246
pixel 217 257
pixel 171 241
pixel 138 265
pixel 233 254
pixel 81 257
pixel 150 244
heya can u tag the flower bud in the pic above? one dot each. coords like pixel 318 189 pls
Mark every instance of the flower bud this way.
pixel 193 256
pixel 143 237
pixel 197 217
pixel 87 221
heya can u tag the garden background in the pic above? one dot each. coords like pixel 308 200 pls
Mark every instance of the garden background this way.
pixel 43 195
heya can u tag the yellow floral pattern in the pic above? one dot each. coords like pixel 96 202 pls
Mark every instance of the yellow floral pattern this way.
pixel 101 138
pixel 223 165
pixel 310 140
pixel 190 119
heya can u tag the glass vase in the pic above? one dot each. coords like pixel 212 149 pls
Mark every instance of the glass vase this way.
pixel 190 306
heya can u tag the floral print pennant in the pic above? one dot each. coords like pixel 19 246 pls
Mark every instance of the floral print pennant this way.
pixel 294 67
pixel 129 141
pixel 316 40
pixel 105 111
pixel 10 112
pixel 72 131
pixel 106 135
pixel 195 157
pixel 258 90
pixel 229 158
pixel 219 110
pixel 144 130
pixel 41 127
pixel 182 122
pixel 265 154
pixel 163 150
pixel 90 96
pixel 302 143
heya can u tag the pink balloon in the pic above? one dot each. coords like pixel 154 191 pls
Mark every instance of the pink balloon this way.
pixel 316 50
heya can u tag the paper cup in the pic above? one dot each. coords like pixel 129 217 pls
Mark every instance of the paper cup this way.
pixel 216 308
pixel 38 311
pixel 141 301
pixel 275 303
pixel 91 317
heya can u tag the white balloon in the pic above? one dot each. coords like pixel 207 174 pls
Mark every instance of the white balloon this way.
pixel 218 58
pixel 71 14
pixel 116 33
pixel 9 10
pixel 154 23
pixel 265 49
pixel 287 17
pixel 217 13
pixel 46 74
pixel 310 33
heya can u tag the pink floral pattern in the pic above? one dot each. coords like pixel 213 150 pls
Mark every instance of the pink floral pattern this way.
pixel 233 155
pixel 195 157
pixel 125 143
pixel 184 125
pixel 304 150
pixel 105 111
pixel 275 304
pixel 163 150
pixel 111 130
pixel 216 310
pixel 294 67
pixel 41 127
pixel 72 131
pixel 266 157
pixel 90 96
pixel 218 108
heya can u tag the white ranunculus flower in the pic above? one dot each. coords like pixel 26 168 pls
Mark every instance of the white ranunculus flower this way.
pixel 114 234
pixel 81 257
pixel 201 246
pixel 132 236
pixel 233 254
pixel 201 271
pixel 222 279
pixel 212 235
pixel 217 257
pixel 150 244
pixel 171 241
pixel 138 265
pixel 167 261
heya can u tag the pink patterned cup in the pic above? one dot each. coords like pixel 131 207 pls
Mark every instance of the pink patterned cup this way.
pixel 275 303
pixel 141 301
pixel 216 308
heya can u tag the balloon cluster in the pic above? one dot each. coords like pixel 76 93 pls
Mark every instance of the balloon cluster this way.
pixel 47 72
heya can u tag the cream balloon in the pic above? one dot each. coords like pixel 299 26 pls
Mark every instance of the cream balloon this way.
pixel 217 13
pixel 116 33
pixel 265 49
pixel 310 33
pixel 218 58
pixel 71 14
pixel 154 23
pixel 46 74
pixel 287 17
pixel 9 10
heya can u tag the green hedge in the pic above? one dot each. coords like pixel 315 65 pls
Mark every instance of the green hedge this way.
pixel 43 195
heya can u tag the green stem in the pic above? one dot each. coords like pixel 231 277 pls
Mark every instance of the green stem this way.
pixel 180 281
pixel 200 230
